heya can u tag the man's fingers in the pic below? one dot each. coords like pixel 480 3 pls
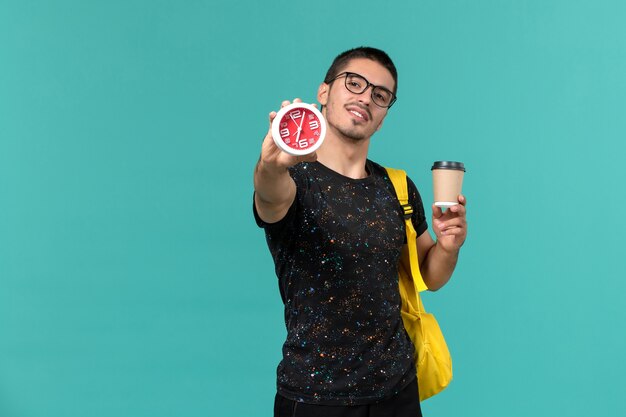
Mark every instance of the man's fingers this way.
pixel 287 102
pixel 272 116
pixel 437 212
pixel 456 222
pixel 458 209
pixel 452 231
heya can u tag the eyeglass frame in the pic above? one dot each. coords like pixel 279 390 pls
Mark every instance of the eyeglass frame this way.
pixel 367 85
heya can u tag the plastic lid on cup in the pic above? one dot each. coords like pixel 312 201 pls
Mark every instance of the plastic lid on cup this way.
pixel 458 166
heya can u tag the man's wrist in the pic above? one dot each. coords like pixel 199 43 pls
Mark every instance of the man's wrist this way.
pixel 272 170
pixel 454 252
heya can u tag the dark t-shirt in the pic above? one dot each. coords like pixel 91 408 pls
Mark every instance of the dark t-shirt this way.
pixel 336 254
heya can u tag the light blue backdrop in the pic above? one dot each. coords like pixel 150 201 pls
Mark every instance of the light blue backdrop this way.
pixel 133 280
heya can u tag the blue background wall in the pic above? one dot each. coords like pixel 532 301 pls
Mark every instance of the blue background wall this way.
pixel 133 280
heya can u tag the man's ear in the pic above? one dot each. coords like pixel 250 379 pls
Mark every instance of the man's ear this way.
pixel 322 94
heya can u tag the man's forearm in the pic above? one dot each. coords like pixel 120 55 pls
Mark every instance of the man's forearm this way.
pixel 438 266
pixel 272 185
pixel 274 193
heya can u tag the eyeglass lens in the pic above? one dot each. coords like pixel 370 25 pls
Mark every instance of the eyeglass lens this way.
pixel 357 84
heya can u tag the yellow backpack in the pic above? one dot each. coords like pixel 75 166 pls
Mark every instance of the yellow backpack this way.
pixel 432 358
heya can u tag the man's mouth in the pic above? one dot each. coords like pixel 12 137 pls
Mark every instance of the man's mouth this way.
pixel 359 113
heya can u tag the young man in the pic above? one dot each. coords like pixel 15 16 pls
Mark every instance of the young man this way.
pixel 335 229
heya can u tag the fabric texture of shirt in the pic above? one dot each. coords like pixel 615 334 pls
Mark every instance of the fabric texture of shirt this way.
pixel 336 254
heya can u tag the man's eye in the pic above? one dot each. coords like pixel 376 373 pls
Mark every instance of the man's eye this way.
pixel 383 96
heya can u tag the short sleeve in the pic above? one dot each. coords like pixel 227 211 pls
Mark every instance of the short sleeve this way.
pixel 300 181
pixel 285 220
pixel 419 217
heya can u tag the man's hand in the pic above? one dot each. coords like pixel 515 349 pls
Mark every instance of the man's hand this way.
pixel 450 226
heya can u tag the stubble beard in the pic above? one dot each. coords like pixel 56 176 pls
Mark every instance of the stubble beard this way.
pixel 352 133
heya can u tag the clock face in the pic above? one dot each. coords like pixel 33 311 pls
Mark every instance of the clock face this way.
pixel 299 129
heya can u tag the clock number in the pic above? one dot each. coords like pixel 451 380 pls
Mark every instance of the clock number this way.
pixel 314 124
pixel 296 114
pixel 284 133
pixel 303 143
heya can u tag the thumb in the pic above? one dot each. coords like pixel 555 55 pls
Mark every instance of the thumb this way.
pixel 268 135
pixel 272 116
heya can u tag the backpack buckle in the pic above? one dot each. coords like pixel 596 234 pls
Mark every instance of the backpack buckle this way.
pixel 408 210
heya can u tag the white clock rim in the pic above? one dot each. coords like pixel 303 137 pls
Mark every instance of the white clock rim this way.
pixel 276 129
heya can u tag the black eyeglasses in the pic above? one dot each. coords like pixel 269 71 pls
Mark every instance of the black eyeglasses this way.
pixel 357 84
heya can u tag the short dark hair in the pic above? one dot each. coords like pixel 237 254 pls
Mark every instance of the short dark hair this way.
pixel 342 60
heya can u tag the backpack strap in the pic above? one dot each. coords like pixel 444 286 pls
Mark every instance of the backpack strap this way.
pixel 398 179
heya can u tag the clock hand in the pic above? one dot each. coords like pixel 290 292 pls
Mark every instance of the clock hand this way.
pixel 300 127
pixel 294 120
pixel 302 122
pixel 295 123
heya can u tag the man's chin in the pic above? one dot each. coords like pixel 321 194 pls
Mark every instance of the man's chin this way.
pixel 354 131
pixel 354 136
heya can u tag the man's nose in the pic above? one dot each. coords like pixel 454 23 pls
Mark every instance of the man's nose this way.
pixel 366 96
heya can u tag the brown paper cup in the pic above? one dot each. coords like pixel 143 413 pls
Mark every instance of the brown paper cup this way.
pixel 447 182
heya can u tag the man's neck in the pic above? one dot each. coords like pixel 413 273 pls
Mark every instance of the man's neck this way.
pixel 345 156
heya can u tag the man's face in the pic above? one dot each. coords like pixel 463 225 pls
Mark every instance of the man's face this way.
pixel 355 116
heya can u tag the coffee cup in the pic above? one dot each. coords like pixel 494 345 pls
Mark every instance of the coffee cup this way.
pixel 447 182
